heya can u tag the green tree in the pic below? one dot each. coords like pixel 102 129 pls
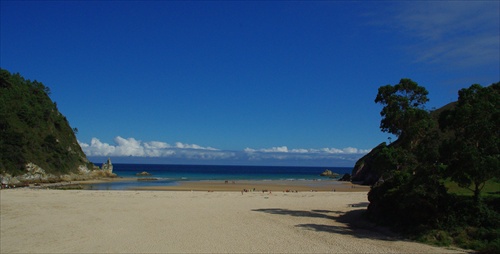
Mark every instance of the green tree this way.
pixel 473 153
pixel 464 146
pixel 403 113
pixel 412 191
pixel 391 159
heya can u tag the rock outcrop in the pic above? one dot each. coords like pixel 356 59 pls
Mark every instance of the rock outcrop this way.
pixel 329 173
pixel 363 172
pixel 345 178
pixel 326 173
pixel 36 174
pixel 107 167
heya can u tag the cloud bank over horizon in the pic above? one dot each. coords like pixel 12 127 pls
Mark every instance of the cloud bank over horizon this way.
pixel 127 148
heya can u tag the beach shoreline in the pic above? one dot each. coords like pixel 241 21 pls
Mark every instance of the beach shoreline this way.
pixel 215 185
pixel 63 184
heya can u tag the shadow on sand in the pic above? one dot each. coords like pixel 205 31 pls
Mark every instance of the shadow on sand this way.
pixel 354 222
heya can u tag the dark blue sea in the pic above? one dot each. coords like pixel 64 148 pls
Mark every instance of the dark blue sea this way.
pixel 171 175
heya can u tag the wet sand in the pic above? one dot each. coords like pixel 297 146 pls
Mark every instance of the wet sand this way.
pixel 259 186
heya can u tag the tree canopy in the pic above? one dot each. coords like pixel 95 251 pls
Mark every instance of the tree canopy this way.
pixel 403 106
pixel 473 153
pixel 460 143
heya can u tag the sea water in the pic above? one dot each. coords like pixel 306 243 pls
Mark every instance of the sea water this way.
pixel 171 175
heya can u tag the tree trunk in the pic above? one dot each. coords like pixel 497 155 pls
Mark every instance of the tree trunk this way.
pixel 477 192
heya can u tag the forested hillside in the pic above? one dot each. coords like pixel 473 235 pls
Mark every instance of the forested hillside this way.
pixel 439 181
pixel 33 130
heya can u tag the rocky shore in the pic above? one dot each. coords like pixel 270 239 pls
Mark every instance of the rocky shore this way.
pixel 35 175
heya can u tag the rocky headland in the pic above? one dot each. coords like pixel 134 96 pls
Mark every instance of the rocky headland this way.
pixel 37 143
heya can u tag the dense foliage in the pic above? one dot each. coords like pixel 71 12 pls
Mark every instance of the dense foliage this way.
pixel 33 130
pixel 403 107
pixel 473 154
pixel 458 144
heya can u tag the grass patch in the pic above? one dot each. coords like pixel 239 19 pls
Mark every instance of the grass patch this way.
pixel 490 189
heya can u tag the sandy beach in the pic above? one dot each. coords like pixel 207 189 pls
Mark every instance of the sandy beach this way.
pixel 84 221
pixel 272 186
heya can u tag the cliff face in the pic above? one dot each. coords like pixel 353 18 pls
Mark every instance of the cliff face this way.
pixel 363 171
pixel 35 138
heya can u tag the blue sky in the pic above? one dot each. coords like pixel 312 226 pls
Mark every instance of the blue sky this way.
pixel 243 82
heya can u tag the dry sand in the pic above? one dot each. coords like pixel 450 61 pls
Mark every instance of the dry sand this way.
pixel 81 221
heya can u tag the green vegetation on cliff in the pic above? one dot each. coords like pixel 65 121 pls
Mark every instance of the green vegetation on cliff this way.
pixel 417 175
pixel 33 130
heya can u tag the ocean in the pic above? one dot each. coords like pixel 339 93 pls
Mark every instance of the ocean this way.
pixel 171 175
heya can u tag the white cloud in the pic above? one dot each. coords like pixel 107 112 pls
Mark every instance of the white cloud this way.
pixel 331 150
pixel 283 153
pixel 156 145
pixel 129 147
pixel 249 150
pixel 97 148
pixel 300 150
pixel 280 149
pixel 194 154
pixel 284 149
pixel 192 146
pixel 125 147
pixel 133 147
